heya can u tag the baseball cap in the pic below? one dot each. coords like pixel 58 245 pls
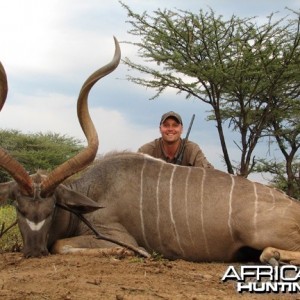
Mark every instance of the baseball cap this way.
pixel 171 114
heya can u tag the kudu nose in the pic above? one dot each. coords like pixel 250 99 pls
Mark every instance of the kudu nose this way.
pixel 31 253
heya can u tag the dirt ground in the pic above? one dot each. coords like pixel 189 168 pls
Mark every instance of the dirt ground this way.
pixel 89 277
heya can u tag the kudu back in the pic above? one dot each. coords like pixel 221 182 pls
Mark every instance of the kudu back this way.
pixel 190 213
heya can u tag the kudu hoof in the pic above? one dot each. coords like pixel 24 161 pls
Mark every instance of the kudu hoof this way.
pixel 273 262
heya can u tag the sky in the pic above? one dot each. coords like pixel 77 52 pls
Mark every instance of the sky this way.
pixel 48 49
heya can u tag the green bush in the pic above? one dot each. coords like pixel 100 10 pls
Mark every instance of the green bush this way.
pixel 11 240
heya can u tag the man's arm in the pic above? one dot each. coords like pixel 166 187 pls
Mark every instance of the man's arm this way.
pixel 196 157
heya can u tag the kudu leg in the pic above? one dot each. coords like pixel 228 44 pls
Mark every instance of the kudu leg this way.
pixel 100 252
pixel 89 245
pixel 272 255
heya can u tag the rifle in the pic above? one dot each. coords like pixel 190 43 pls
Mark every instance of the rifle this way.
pixel 178 160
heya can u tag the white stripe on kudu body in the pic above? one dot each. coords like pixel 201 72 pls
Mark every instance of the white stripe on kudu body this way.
pixel 255 209
pixel 186 206
pixel 171 209
pixel 202 212
pixel 141 205
pixel 273 198
pixel 157 205
pixel 230 207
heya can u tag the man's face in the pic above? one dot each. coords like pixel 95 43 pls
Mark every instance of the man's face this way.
pixel 170 130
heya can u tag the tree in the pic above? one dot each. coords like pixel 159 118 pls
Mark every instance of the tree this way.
pixel 38 150
pixel 260 104
pixel 237 67
pixel 286 133
pixel 289 184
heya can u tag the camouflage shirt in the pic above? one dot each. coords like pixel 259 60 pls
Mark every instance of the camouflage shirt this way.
pixel 193 155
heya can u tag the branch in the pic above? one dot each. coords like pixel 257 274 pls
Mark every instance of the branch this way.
pixel 4 230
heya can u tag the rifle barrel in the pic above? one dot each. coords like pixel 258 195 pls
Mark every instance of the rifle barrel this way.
pixel 178 160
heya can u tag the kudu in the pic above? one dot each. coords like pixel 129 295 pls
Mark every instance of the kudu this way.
pixel 190 213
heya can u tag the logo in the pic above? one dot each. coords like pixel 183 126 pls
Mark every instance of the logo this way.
pixel 264 279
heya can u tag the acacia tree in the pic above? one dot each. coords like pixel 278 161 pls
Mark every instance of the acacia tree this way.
pixel 277 105
pixel 265 94
pixel 231 65
pixel 286 133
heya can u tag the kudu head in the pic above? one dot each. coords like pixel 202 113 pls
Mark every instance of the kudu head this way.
pixel 36 196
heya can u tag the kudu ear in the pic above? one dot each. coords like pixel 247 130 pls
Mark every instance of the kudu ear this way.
pixel 74 200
